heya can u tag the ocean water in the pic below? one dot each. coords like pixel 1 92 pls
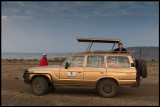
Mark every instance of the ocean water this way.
pixel 7 55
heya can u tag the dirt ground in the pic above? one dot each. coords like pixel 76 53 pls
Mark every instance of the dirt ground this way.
pixel 14 92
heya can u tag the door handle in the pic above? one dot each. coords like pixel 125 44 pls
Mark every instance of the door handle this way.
pixel 79 72
pixel 102 72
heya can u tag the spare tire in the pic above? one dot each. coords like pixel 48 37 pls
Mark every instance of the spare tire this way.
pixel 143 67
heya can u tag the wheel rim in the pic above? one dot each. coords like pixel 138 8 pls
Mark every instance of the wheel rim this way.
pixel 38 86
pixel 107 88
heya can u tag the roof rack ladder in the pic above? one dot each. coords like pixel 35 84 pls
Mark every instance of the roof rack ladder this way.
pixel 113 46
pixel 88 46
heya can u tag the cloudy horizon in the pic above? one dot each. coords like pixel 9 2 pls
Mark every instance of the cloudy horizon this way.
pixel 52 26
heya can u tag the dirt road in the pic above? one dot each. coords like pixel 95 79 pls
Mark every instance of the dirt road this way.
pixel 20 93
pixel 14 92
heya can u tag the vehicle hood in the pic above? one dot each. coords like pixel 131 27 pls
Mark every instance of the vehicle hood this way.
pixel 45 68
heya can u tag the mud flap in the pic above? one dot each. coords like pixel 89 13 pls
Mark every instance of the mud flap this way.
pixel 138 79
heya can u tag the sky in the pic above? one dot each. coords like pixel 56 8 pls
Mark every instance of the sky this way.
pixel 53 26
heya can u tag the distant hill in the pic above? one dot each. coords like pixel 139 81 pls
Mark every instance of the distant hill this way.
pixel 147 53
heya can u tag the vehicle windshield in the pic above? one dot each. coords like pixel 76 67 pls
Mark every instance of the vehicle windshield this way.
pixel 76 61
pixel 65 60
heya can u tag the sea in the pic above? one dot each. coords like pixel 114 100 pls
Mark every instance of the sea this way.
pixel 10 55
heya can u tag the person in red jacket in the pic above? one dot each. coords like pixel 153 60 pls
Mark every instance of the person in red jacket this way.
pixel 44 61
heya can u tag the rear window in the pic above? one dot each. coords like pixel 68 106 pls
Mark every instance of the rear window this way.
pixel 118 62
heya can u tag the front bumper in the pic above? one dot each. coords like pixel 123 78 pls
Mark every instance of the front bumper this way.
pixel 26 77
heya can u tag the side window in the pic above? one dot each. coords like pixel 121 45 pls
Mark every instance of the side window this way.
pixel 95 61
pixel 76 61
pixel 118 62
pixel 124 62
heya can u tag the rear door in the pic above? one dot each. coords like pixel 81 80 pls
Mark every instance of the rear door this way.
pixel 94 69
pixel 119 67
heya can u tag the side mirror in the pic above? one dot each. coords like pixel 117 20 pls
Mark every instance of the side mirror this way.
pixel 132 65
pixel 66 65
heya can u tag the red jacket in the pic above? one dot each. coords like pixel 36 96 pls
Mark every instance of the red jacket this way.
pixel 43 62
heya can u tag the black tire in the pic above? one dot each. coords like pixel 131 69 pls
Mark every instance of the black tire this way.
pixel 107 88
pixel 143 67
pixel 39 86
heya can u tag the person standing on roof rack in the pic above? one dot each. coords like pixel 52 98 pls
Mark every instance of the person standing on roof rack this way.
pixel 120 45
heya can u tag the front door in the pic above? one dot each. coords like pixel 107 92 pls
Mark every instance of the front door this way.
pixel 73 75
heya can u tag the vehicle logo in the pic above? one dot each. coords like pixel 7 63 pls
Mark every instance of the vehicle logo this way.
pixel 71 74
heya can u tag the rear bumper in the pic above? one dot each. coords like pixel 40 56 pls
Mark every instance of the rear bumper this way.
pixel 26 77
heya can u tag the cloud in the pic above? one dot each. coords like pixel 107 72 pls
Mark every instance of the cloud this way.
pixel 29 12
pixel 15 11
pixel 15 19
pixel 21 4
pixel 4 18
pixel 21 17
pixel 76 10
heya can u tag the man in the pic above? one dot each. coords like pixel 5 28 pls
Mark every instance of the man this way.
pixel 120 45
pixel 44 61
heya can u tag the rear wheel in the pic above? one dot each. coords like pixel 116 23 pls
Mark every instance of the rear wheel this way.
pixel 107 88
pixel 39 86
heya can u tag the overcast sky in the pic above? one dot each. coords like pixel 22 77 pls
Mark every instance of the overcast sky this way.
pixel 52 27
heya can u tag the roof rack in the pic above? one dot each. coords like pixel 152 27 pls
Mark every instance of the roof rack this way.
pixel 92 40
pixel 114 52
pixel 108 52
pixel 98 40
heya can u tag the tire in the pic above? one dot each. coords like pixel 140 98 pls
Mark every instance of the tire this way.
pixel 107 88
pixel 143 67
pixel 39 86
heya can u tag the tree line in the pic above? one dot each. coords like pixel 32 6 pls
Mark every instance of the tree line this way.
pixel 59 60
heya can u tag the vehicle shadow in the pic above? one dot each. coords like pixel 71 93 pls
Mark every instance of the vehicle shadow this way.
pixel 80 91
pixel 143 90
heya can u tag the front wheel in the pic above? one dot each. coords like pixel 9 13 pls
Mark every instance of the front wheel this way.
pixel 39 86
pixel 107 88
